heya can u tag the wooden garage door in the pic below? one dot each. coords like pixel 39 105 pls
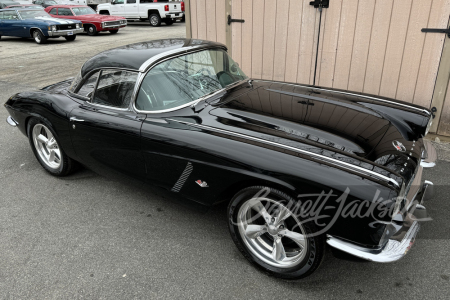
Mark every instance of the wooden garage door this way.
pixel 370 46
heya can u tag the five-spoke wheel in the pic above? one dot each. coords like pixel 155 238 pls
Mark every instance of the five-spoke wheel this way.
pixel 47 149
pixel 46 146
pixel 268 232
pixel 278 237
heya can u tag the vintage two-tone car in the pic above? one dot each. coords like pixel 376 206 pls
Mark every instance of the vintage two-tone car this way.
pixel 93 23
pixel 36 24
pixel 300 166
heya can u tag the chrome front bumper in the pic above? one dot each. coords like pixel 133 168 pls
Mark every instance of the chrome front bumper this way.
pixel 65 32
pixel 11 121
pixel 399 244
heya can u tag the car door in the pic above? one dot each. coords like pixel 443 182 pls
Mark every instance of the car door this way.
pixel 117 7
pixel 1 23
pixel 11 24
pixel 105 132
pixel 131 9
pixel 167 92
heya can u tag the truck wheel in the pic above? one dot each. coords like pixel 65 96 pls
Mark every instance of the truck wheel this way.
pixel 91 30
pixel 104 12
pixel 168 21
pixel 114 31
pixel 155 20
pixel 39 37
pixel 70 38
pixel 183 19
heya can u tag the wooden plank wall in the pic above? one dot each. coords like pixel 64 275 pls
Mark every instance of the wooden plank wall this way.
pixel 371 46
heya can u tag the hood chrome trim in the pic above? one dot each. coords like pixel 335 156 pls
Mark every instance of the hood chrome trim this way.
pixel 322 157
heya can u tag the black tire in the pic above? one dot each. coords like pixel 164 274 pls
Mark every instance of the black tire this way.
pixel 38 37
pixel 154 20
pixel 0 37
pixel 114 31
pixel 183 19
pixel 315 244
pixel 67 165
pixel 168 22
pixel 104 12
pixel 70 38
pixel 91 30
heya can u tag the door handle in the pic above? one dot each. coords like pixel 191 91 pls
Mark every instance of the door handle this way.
pixel 74 119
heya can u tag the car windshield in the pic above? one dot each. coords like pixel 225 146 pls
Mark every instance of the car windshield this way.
pixel 32 14
pixel 79 11
pixel 184 79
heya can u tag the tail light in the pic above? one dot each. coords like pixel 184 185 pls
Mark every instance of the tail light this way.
pixel 166 7
pixel 182 6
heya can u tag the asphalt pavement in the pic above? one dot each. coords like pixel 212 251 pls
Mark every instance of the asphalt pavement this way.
pixel 89 237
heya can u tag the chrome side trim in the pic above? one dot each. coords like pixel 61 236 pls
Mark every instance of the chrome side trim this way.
pixel 392 251
pixel 353 94
pixel 322 157
pixel 11 121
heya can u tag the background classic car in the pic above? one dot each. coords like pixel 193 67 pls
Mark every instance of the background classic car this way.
pixel 37 24
pixel 181 114
pixel 93 23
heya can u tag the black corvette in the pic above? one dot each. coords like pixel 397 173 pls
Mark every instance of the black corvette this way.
pixel 301 167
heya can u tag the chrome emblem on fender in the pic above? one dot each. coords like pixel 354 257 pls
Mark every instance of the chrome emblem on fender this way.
pixel 399 146
pixel 202 183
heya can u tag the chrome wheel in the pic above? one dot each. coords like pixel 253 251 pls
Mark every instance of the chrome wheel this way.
pixel 272 232
pixel 91 29
pixel 37 37
pixel 154 20
pixel 46 146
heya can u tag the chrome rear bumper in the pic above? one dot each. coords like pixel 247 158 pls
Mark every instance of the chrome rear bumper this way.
pixel 11 121
pixel 398 244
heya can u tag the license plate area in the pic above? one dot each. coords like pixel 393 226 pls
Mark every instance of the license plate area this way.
pixel 70 33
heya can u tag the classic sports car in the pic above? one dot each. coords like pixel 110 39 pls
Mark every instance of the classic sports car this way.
pixel 93 23
pixel 300 166
pixel 37 24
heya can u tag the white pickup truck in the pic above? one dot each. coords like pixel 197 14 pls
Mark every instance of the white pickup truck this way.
pixel 154 11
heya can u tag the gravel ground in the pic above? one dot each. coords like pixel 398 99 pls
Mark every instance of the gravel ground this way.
pixel 88 237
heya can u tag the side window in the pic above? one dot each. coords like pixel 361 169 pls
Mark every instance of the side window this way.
pixel 10 15
pixel 53 11
pixel 119 1
pixel 131 1
pixel 146 1
pixel 88 86
pixel 1 15
pixel 64 12
pixel 115 88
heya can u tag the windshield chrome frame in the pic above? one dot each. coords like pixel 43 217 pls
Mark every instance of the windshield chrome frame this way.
pixel 158 59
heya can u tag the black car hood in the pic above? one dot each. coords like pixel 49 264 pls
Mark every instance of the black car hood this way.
pixel 344 127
